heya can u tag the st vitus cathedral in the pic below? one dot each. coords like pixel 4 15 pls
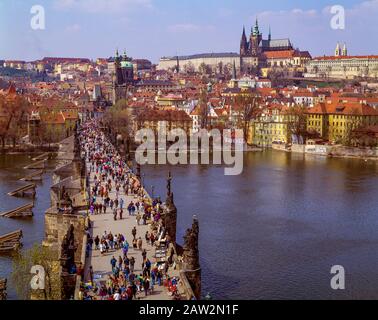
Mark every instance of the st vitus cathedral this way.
pixel 252 52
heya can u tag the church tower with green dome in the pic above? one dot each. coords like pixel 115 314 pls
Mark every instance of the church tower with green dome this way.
pixel 256 38
pixel 124 76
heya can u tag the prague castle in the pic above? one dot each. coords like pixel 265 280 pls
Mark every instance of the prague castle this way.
pixel 255 53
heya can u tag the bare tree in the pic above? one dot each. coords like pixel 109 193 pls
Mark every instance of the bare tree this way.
pixel 247 107
pixel 204 68
pixel 276 75
pixel 220 67
pixel 12 120
pixel 119 119
pixel 189 68
pixel 297 122
pixel 204 109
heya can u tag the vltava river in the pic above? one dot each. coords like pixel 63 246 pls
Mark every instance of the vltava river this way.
pixel 273 232
pixel 11 170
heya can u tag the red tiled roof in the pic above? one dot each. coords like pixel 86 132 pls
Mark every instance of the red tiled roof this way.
pixel 164 115
pixel 284 54
pixel 53 118
pixel 348 108
pixel 346 57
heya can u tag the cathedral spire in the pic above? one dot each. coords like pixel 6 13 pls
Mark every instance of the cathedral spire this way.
pixel 243 43
pixel 270 34
pixel 116 59
pixel 256 30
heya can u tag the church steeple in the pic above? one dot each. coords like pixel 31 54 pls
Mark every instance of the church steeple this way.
pixel 345 50
pixel 256 30
pixel 177 64
pixel 255 41
pixel 243 43
pixel 270 34
pixel 338 50
pixel 244 37
pixel 234 71
pixel 116 59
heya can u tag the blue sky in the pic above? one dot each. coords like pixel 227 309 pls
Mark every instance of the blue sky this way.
pixel 154 28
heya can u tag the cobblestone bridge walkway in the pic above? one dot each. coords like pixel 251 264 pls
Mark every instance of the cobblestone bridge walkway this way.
pixel 105 222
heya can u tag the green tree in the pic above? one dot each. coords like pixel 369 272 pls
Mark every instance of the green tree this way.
pixel 21 276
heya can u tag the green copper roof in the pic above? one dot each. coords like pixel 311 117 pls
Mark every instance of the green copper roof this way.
pixel 126 64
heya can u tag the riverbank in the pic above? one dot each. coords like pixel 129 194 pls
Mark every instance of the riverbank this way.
pixel 337 151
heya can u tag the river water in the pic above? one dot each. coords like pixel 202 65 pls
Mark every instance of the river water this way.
pixel 273 232
pixel 11 170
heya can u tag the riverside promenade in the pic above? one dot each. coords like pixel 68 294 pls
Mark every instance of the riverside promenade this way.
pixel 102 223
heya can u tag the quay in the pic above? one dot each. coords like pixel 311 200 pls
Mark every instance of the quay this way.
pixel 23 211
pixel 35 176
pixel 10 242
pixel 37 165
pixel 3 289
pixel 24 190
pixel 42 156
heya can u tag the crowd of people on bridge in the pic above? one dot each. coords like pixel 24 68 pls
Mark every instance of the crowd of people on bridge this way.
pixel 111 179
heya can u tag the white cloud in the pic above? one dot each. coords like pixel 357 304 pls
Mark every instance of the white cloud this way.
pixel 103 6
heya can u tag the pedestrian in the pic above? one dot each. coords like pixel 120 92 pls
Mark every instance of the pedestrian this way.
pixel 140 243
pixel 91 274
pixel 120 262
pixel 113 262
pixel 132 264
pixel 152 239
pixel 146 285
pixel 144 256
pixel 138 218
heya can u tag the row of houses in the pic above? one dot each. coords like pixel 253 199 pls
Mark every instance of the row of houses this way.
pixel 330 122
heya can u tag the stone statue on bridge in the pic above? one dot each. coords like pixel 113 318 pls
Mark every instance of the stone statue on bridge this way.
pixel 170 216
pixel 68 249
pixel 191 258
